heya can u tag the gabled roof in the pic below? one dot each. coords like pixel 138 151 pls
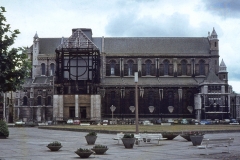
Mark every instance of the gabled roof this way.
pixel 212 78
pixel 157 45
pixel 78 40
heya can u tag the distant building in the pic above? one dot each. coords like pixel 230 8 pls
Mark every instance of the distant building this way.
pixel 82 76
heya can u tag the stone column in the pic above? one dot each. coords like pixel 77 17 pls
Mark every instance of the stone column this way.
pixel 197 106
pixel 76 106
pixel 57 107
pixel 95 107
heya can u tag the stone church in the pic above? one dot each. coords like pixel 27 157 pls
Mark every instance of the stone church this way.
pixel 92 78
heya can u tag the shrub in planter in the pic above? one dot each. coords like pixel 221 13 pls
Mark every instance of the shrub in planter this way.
pixel 83 153
pixel 100 149
pixel 91 138
pixel 187 135
pixel 54 146
pixel 128 140
pixel 4 132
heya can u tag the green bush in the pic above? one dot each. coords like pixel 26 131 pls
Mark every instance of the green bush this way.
pixel 92 134
pixel 55 143
pixel 128 136
pixel 83 150
pixel 3 129
pixel 99 146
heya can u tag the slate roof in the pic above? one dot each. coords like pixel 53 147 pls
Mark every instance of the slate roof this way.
pixel 48 45
pixel 42 79
pixel 212 78
pixel 157 45
pixel 153 81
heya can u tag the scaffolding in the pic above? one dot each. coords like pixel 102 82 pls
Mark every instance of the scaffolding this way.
pixel 77 65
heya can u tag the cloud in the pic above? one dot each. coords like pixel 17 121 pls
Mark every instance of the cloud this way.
pixel 223 8
pixel 175 25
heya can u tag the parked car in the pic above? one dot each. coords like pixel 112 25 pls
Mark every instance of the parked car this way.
pixel 76 121
pixel 20 122
pixel 158 121
pixel 233 121
pixel 70 121
pixel 205 122
pixel 184 121
pixel 194 121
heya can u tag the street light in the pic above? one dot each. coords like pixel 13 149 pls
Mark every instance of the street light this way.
pixel 136 100
pixel 112 109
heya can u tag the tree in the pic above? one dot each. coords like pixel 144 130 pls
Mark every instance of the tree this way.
pixel 14 64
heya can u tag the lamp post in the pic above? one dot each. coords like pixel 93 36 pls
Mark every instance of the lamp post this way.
pixel 112 109
pixel 136 100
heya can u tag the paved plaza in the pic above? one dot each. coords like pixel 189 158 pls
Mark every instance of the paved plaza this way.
pixel 30 144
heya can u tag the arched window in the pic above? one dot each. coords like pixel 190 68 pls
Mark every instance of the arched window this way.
pixel 43 69
pixel 130 67
pixel 132 98
pixel 113 95
pixel 52 69
pixel 112 67
pixel 49 102
pixel 25 101
pixel 39 100
pixel 151 98
pixel 170 98
pixel 166 67
pixel 148 67
pixel 184 67
pixel 201 67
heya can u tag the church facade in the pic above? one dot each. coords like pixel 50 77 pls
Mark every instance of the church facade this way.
pixel 92 78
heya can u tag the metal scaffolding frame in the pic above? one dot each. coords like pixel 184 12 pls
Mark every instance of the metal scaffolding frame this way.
pixel 77 65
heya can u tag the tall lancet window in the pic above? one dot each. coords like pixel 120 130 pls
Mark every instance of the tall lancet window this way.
pixel 148 67
pixel 130 67
pixel 43 69
pixel 52 69
pixel 184 67
pixel 201 67
pixel 112 67
pixel 166 67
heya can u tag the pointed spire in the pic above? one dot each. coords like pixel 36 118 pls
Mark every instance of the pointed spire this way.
pixel 214 34
pixel 222 67
pixel 36 35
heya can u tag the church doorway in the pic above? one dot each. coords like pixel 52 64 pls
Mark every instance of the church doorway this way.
pixel 83 112
pixel 71 112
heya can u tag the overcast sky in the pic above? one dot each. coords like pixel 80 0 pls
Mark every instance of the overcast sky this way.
pixel 132 18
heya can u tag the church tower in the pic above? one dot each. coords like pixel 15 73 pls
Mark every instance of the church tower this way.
pixel 223 74
pixel 35 55
pixel 214 51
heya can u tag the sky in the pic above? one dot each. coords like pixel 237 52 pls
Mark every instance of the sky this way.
pixel 132 18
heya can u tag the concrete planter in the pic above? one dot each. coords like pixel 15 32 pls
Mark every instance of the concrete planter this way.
pixel 54 148
pixel 196 139
pixel 91 139
pixel 99 150
pixel 83 154
pixel 128 142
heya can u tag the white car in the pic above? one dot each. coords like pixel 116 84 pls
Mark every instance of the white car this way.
pixel 70 121
pixel 20 122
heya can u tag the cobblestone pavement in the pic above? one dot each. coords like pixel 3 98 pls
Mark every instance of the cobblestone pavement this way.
pixel 30 144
